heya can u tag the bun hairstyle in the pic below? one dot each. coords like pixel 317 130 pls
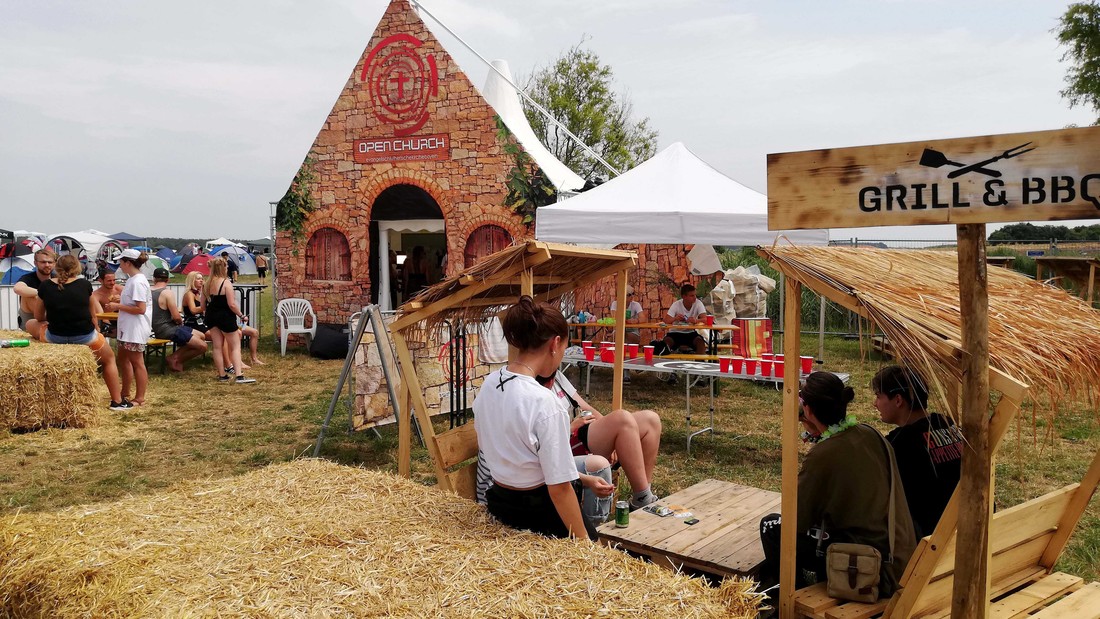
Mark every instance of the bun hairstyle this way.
pixel 827 396
pixel 67 268
pixel 528 325
pixel 895 380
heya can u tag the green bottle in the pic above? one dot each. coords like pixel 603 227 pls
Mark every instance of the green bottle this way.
pixel 14 343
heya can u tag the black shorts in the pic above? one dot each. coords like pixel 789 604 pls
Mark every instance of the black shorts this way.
pixel 683 339
pixel 261 271
pixel 532 510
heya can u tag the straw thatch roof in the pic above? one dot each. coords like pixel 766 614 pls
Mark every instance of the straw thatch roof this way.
pixel 495 281
pixel 1038 334
pixel 315 539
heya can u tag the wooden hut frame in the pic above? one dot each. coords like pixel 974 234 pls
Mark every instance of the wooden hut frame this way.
pixel 546 272
pixel 1023 542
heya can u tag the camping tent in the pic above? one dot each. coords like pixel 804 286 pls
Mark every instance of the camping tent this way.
pixel 83 245
pixel 219 242
pixel 14 267
pixel 153 263
pixel 245 262
pixel 674 197
pixel 130 239
pixel 200 263
pixel 186 253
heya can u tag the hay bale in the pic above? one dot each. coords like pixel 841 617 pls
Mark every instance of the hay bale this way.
pixel 311 538
pixel 46 385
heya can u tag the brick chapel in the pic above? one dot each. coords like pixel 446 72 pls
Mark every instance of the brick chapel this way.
pixel 410 156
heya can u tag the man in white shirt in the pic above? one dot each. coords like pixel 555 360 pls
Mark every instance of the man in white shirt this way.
pixel 686 312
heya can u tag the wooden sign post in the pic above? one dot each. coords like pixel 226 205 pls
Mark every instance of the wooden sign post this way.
pixel 1041 176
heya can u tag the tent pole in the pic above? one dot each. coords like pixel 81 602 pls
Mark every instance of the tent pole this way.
pixel 789 505
pixel 970 595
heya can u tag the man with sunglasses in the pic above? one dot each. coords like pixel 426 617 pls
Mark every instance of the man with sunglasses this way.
pixel 928 446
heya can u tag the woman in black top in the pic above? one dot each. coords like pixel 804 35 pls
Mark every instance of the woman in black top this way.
pixel 219 306
pixel 67 303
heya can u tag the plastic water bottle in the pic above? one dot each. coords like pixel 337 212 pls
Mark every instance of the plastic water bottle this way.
pixel 14 343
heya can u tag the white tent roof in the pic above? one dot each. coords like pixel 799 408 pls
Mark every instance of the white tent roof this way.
pixel 674 197
pixel 218 242
pixel 500 94
pixel 88 240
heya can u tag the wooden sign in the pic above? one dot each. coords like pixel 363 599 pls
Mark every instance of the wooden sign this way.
pixel 1039 176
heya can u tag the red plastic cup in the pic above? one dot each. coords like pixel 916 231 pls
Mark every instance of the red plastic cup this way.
pixel 632 351
pixel 765 367
pixel 590 353
pixel 807 364
pixel 777 368
pixel 766 356
pixel 648 352
pixel 750 366
pixel 586 344
pixel 777 357
pixel 737 365
pixel 710 320
pixel 607 355
pixel 724 364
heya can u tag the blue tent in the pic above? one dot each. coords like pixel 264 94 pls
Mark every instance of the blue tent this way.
pixel 245 262
pixel 13 268
pixel 129 238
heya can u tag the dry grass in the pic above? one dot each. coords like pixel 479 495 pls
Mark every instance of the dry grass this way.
pixel 47 386
pixel 314 538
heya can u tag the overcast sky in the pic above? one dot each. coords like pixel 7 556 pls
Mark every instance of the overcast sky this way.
pixel 186 119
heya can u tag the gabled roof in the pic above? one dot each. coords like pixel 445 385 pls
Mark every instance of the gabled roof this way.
pixel 496 281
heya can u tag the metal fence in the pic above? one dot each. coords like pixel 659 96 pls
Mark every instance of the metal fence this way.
pixel 1037 247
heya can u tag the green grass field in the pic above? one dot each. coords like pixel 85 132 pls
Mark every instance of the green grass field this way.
pixel 194 428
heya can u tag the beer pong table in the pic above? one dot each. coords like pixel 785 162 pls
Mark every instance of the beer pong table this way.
pixel 690 369
pixel 725 541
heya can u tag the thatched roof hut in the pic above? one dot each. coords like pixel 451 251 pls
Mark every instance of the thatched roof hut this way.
pixel 1038 334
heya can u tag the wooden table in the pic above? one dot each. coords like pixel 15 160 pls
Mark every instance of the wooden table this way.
pixel 725 541
pixel 712 340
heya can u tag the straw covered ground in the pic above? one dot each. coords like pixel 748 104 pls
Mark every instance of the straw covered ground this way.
pixel 312 538
pixel 46 385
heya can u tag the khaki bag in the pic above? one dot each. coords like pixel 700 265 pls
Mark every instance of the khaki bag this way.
pixel 854 571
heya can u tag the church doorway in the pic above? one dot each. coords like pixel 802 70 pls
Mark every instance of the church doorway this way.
pixel 405 220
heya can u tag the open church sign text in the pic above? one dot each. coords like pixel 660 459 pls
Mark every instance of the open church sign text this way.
pixel 412 148
pixel 1040 176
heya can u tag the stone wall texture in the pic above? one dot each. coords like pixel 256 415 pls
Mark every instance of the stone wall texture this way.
pixel 656 281
pixel 469 186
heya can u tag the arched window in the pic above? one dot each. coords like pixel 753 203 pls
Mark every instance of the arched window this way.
pixel 483 241
pixel 328 256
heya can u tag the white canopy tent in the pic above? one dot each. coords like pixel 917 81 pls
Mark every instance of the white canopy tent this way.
pixel 674 197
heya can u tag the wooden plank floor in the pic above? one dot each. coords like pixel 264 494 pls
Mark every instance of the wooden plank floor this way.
pixel 726 541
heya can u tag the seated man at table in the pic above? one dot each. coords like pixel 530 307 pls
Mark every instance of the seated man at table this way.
pixel 27 291
pixel 687 311
pixel 108 292
pixel 633 316
pixel 168 324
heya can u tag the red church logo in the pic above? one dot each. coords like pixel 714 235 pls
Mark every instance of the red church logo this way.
pixel 401 81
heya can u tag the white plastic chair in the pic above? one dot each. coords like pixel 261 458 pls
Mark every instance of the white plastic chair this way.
pixel 292 319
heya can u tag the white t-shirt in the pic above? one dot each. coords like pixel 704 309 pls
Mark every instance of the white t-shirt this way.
pixel 633 307
pixel 136 328
pixel 522 433
pixel 693 314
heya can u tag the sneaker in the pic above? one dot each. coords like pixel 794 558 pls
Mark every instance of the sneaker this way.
pixel 230 370
pixel 223 379
pixel 120 406
pixel 653 498
pixel 626 378
pixel 241 380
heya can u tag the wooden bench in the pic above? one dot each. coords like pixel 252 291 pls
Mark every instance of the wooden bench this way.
pixel 457 450
pixel 1025 542
pixel 158 349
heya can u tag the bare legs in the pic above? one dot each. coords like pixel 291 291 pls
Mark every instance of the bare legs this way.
pixel 232 350
pixel 132 366
pixel 634 437
pixel 106 359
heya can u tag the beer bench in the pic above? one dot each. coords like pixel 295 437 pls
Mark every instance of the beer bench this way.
pixel 158 349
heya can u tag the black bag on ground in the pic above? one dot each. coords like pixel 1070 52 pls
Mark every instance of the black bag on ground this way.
pixel 329 343
pixel 659 347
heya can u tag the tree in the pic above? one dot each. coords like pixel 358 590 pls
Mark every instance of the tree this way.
pixel 576 89
pixel 1079 31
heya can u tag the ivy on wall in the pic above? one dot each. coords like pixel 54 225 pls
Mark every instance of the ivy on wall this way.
pixel 528 187
pixel 298 202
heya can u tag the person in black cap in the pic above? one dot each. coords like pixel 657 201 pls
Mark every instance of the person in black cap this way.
pixel 168 324
pixel 230 267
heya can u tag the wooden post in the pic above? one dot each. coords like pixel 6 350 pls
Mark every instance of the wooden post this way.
pixel 404 430
pixel 1092 283
pixel 970 595
pixel 788 535
pixel 620 341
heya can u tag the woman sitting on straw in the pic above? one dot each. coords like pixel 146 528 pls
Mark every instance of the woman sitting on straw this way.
pixel 523 434
pixel 843 490
pixel 67 302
